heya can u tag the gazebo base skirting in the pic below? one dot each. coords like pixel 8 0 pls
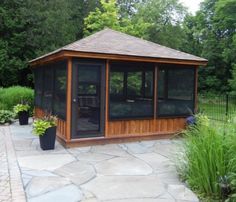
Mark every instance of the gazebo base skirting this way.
pixel 122 131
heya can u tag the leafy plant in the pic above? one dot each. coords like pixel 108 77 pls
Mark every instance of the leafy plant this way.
pixel 2 106
pixel 41 125
pixel 202 120
pixel 6 116
pixel 21 107
pixel 209 163
pixel 9 97
pixel 204 162
pixel 230 153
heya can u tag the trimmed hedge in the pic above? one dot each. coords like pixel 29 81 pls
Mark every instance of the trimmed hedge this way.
pixel 9 97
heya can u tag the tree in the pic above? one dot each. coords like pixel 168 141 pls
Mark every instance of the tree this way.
pixel 214 29
pixel 79 11
pixel 49 25
pixel 108 16
pixel 127 8
pixel 225 24
pixel 165 18
pixel 29 29
pixel 12 42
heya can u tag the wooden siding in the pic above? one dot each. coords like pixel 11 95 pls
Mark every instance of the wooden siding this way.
pixel 145 127
pixel 61 124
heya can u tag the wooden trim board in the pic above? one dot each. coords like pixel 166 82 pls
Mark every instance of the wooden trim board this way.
pixel 69 99
pixel 67 53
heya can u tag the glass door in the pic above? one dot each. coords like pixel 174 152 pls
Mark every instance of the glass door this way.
pixel 88 110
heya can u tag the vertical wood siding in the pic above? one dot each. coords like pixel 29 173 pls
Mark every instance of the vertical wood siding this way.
pixel 145 127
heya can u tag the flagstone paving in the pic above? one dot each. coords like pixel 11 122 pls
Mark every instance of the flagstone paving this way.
pixel 11 187
pixel 130 172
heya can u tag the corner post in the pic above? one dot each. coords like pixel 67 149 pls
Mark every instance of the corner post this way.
pixel 68 98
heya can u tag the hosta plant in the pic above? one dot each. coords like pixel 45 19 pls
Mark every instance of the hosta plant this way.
pixel 42 124
pixel 6 116
pixel 21 107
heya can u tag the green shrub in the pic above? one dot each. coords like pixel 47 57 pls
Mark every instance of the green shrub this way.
pixel 2 106
pixel 6 116
pixel 9 97
pixel 209 163
pixel 230 154
pixel 204 162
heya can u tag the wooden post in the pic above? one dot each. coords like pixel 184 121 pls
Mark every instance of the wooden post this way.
pixel 196 91
pixel 68 98
pixel 107 98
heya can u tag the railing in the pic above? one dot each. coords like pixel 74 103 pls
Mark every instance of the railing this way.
pixel 218 107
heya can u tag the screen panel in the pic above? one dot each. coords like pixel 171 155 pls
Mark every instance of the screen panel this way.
pixel 131 91
pixel 38 86
pixel 48 78
pixel 60 86
pixel 176 88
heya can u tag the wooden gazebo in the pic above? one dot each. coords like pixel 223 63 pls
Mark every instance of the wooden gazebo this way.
pixel 111 87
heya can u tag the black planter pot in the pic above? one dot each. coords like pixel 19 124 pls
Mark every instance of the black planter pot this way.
pixel 47 140
pixel 23 117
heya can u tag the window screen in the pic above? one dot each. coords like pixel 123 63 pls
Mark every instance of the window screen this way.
pixel 176 91
pixel 38 86
pixel 59 99
pixel 116 84
pixel 47 88
pixel 134 84
pixel 88 78
pixel 131 91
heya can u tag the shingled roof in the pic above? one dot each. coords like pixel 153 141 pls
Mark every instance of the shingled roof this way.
pixel 109 41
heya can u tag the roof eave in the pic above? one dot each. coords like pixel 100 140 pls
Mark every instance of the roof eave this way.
pixel 61 54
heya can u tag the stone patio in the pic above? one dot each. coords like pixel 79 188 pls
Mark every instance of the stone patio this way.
pixel 131 172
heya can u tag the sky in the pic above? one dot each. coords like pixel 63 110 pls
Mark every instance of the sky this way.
pixel 192 5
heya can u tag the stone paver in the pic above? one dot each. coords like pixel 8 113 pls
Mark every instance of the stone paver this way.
pixel 41 185
pixel 11 186
pixel 93 157
pixel 45 161
pixel 77 172
pixel 123 166
pixel 125 187
pixel 69 193
pixel 5 189
pixel 131 172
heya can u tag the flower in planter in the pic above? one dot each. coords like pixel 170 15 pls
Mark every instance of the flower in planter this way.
pixel 41 125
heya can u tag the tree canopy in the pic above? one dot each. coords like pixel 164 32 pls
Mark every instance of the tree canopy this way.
pixel 31 28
